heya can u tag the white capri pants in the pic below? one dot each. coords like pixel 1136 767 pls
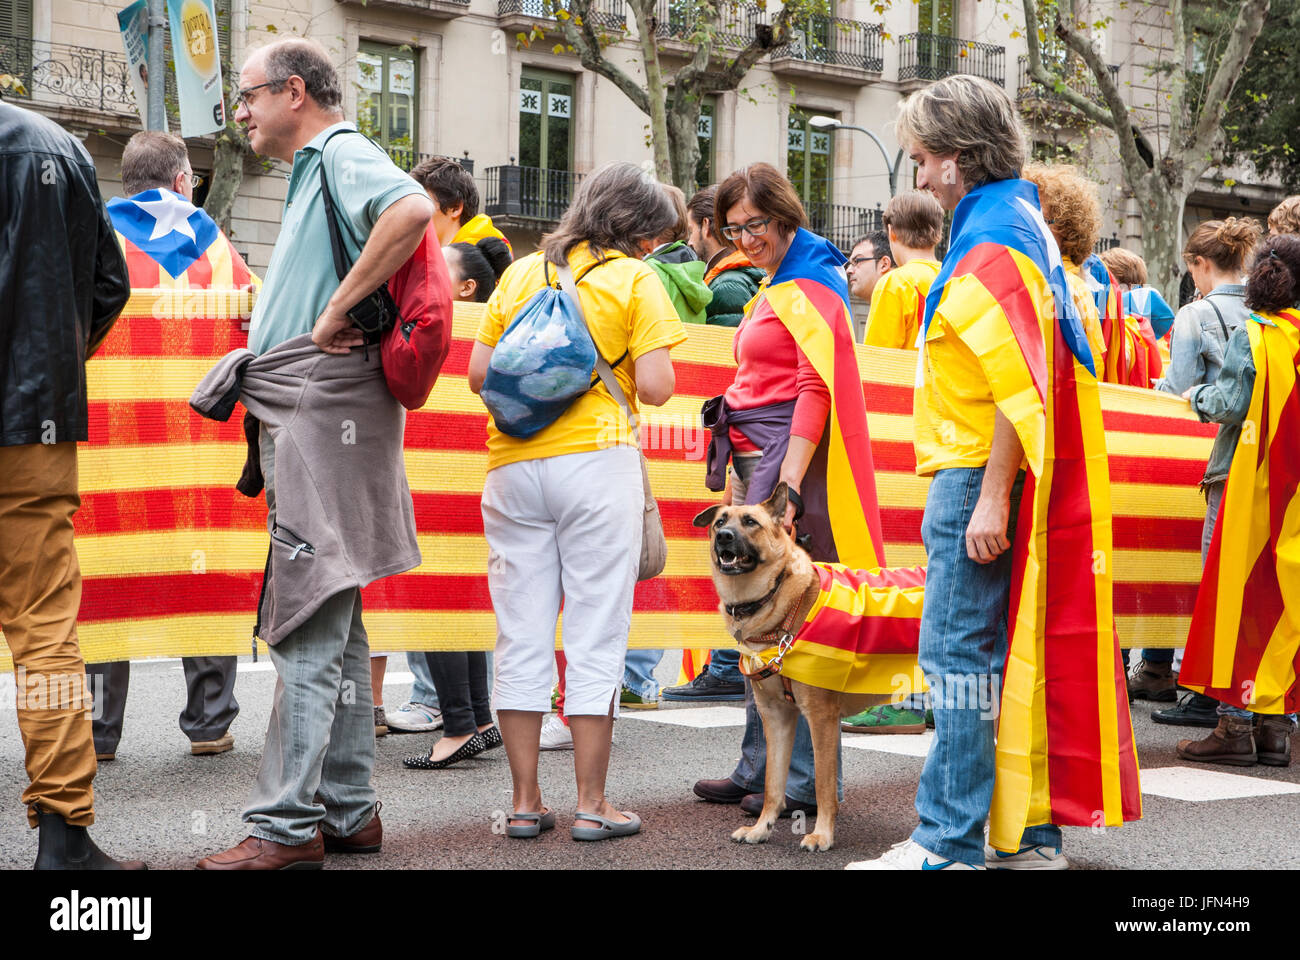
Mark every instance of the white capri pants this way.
pixel 564 528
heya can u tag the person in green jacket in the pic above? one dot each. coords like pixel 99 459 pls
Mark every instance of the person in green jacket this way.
pixel 680 270
pixel 728 272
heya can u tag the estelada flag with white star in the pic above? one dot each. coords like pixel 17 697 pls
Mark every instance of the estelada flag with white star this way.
pixel 170 244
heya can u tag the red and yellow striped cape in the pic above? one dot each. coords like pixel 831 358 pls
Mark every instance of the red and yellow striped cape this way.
pixel 1244 644
pixel 1065 749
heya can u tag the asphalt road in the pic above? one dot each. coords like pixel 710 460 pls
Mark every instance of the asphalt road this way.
pixel 158 803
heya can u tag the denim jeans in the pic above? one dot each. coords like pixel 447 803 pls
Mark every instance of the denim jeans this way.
pixel 1228 710
pixel 639 672
pixel 751 771
pixel 963 636
pixel 422 690
pixel 725 665
pixel 320 742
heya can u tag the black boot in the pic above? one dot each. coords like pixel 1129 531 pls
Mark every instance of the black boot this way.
pixel 65 847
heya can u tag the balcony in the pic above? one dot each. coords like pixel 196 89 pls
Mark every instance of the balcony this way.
pixel 924 57
pixel 832 48
pixel 843 225
pixel 70 81
pixel 528 196
pixel 433 9
pixel 1034 97
pixel 521 16
pixel 677 22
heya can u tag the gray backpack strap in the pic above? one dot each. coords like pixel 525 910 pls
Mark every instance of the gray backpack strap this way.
pixel 1209 298
pixel 606 375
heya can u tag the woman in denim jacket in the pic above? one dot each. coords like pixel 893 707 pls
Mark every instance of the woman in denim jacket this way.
pixel 1216 255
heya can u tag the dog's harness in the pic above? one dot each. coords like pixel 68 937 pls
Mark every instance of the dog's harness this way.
pixel 784 639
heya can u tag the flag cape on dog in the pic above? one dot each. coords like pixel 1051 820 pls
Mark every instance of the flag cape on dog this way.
pixel 861 634
pixel 1244 644
pixel 170 244
pixel 1065 751
pixel 810 295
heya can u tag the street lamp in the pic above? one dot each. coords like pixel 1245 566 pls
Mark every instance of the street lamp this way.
pixel 830 123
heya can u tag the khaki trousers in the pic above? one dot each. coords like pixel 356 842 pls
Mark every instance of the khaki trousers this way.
pixel 40 594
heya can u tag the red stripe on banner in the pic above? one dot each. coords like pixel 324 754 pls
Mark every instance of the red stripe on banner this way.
pixel 1152 598
pixel 200 336
pixel 995 267
pixel 1071 615
pixel 169 594
pixel 886 398
pixel 1118 422
pixel 137 422
pixel 1157 470
pixel 142 511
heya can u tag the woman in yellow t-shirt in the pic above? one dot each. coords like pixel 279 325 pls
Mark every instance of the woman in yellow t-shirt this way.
pixel 562 509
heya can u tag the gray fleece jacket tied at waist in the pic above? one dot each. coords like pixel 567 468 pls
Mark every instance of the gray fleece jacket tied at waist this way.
pixel 343 513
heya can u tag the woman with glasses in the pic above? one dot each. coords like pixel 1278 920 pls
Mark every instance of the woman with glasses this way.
pixel 795 413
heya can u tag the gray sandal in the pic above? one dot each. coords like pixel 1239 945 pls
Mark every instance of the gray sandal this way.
pixel 537 822
pixel 607 828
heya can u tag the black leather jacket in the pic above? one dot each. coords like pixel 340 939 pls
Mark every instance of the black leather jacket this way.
pixel 63 279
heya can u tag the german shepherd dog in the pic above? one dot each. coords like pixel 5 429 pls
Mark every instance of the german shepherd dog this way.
pixel 767 586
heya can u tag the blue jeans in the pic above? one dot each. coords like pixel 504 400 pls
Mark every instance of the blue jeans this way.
pixel 422 690
pixel 751 771
pixel 639 672
pixel 725 665
pixel 1228 710
pixel 963 646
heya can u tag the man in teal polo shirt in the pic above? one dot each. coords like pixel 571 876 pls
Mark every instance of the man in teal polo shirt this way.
pixel 320 748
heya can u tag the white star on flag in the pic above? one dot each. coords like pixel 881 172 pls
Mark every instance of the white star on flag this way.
pixel 169 215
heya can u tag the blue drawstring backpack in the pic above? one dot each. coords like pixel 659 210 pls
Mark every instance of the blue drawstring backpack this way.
pixel 543 362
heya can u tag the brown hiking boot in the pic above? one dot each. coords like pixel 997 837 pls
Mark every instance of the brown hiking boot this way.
pixel 1152 681
pixel 1273 741
pixel 1232 742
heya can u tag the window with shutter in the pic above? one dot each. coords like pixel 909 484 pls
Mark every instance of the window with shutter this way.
pixel 16 42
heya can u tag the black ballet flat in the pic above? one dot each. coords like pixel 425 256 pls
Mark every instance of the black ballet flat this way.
pixel 470 748
pixel 493 737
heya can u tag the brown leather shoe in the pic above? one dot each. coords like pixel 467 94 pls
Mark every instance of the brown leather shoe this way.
pixel 254 853
pixel 207 748
pixel 368 839
pixel 1152 681
pixel 720 791
pixel 1232 742
pixel 1273 741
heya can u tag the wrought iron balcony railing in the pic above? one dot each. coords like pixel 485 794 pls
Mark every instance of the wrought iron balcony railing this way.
pixel 842 225
pixel 929 56
pixel 528 193
pixel 1072 71
pixel 737 22
pixel 60 74
pixel 609 14
pixel 833 40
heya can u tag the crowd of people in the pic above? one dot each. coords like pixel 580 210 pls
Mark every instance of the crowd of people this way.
pixel 564 510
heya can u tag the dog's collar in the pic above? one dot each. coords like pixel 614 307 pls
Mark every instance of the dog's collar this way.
pixel 739 611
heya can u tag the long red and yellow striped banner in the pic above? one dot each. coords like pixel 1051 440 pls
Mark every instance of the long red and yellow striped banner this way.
pixel 172 556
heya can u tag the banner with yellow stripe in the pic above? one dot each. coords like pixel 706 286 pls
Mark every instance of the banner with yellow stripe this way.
pixel 172 556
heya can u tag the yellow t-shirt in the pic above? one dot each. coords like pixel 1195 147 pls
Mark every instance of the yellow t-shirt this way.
pixel 628 313
pixel 1087 307
pixel 953 409
pixel 898 305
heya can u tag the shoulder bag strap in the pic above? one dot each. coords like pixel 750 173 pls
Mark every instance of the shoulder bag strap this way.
pixel 1209 298
pixel 341 264
pixel 602 368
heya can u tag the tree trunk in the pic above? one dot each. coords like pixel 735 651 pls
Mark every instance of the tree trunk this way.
pixel 684 141
pixel 1162 230
pixel 227 175
pixel 642 12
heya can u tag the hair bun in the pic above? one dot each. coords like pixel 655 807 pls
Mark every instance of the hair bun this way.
pixel 1239 233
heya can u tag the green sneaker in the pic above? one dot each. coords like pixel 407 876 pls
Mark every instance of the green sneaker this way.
pixel 885 718
pixel 929 719
pixel 634 701
pixel 555 698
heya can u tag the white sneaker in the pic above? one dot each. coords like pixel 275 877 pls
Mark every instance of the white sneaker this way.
pixel 1036 857
pixel 909 855
pixel 415 718
pixel 555 735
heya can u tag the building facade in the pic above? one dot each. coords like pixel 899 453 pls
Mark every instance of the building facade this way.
pixel 452 77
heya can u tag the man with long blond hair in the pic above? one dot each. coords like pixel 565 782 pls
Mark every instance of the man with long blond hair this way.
pixel 1005 377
